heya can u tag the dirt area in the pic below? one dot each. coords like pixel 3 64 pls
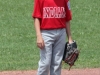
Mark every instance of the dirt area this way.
pixel 95 71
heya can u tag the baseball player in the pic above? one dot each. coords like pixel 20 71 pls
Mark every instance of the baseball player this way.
pixel 52 23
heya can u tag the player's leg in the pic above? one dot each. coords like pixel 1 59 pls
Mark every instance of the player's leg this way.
pixel 44 62
pixel 45 54
pixel 57 53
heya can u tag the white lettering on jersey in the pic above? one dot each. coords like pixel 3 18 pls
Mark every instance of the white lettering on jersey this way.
pixel 54 12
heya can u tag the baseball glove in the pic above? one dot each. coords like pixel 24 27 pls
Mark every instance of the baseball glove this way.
pixel 71 53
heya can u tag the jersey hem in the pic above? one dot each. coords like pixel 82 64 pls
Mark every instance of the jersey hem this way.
pixel 52 28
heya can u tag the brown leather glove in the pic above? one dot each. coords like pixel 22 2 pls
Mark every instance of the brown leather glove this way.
pixel 71 53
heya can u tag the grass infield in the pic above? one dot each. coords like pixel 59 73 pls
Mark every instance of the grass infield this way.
pixel 18 50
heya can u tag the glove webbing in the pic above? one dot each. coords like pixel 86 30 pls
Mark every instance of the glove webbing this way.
pixel 70 60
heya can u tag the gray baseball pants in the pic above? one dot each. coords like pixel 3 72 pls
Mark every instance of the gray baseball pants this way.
pixel 51 55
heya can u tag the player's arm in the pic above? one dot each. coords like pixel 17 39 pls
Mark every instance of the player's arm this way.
pixel 68 31
pixel 40 42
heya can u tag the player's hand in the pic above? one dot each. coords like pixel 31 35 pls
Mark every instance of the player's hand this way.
pixel 40 42
pixel 70 41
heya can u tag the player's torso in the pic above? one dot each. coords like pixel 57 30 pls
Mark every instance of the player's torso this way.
pixel 53 13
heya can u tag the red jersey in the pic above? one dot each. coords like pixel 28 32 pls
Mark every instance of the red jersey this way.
pixel 53 14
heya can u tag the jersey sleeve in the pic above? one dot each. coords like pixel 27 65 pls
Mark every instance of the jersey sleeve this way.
pixel 37 10
pixel 68 11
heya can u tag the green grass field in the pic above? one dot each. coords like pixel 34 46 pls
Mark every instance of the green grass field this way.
pixel 18 50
